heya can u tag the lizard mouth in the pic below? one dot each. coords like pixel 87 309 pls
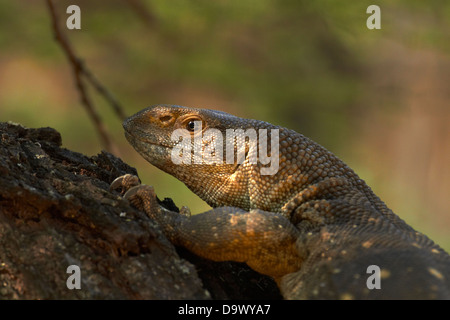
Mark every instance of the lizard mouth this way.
pixel 131 137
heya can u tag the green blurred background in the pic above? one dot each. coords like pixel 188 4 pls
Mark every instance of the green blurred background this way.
pixel 379 99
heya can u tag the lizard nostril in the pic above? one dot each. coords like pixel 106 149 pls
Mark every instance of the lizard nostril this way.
pixel 165 118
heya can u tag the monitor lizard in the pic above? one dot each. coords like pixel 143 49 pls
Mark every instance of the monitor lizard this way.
pixel 313 225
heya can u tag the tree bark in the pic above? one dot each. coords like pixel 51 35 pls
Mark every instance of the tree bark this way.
pixel 56 210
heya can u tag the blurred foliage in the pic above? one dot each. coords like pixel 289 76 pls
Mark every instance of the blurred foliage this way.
pixel 306 65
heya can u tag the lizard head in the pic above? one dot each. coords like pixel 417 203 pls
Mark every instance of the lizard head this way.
pixel 221 157
pixel 191 145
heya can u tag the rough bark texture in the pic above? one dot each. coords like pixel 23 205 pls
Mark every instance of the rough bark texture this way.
pixel 56 210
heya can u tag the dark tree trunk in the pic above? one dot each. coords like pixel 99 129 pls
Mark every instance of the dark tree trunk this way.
pixel 56 210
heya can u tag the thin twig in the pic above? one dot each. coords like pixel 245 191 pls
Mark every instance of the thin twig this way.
pixel 79 70
pixel 104 92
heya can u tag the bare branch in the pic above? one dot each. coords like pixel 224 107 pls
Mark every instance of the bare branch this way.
pixel 80 70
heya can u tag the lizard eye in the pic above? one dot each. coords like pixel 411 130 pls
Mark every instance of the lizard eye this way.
pixel 190 125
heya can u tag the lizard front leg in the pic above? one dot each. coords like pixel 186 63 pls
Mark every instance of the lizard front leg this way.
pixel 125 182
pixel 264 240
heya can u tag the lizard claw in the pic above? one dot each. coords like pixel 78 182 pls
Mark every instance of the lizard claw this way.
pixel 143 197
pixel 126 182
pixel 185 211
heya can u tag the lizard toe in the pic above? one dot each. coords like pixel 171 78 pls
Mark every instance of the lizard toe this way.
pixel 185 211
pixel 142 197
pixel 125 182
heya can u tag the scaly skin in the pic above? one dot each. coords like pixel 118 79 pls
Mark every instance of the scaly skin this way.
pixel 314 226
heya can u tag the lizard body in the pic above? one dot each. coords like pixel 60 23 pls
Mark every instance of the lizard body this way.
pixel 313 225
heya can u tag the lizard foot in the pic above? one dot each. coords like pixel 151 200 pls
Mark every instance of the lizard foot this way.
pixel 138 194
pixel 125 182
pixel 143 197
pixel 185 211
